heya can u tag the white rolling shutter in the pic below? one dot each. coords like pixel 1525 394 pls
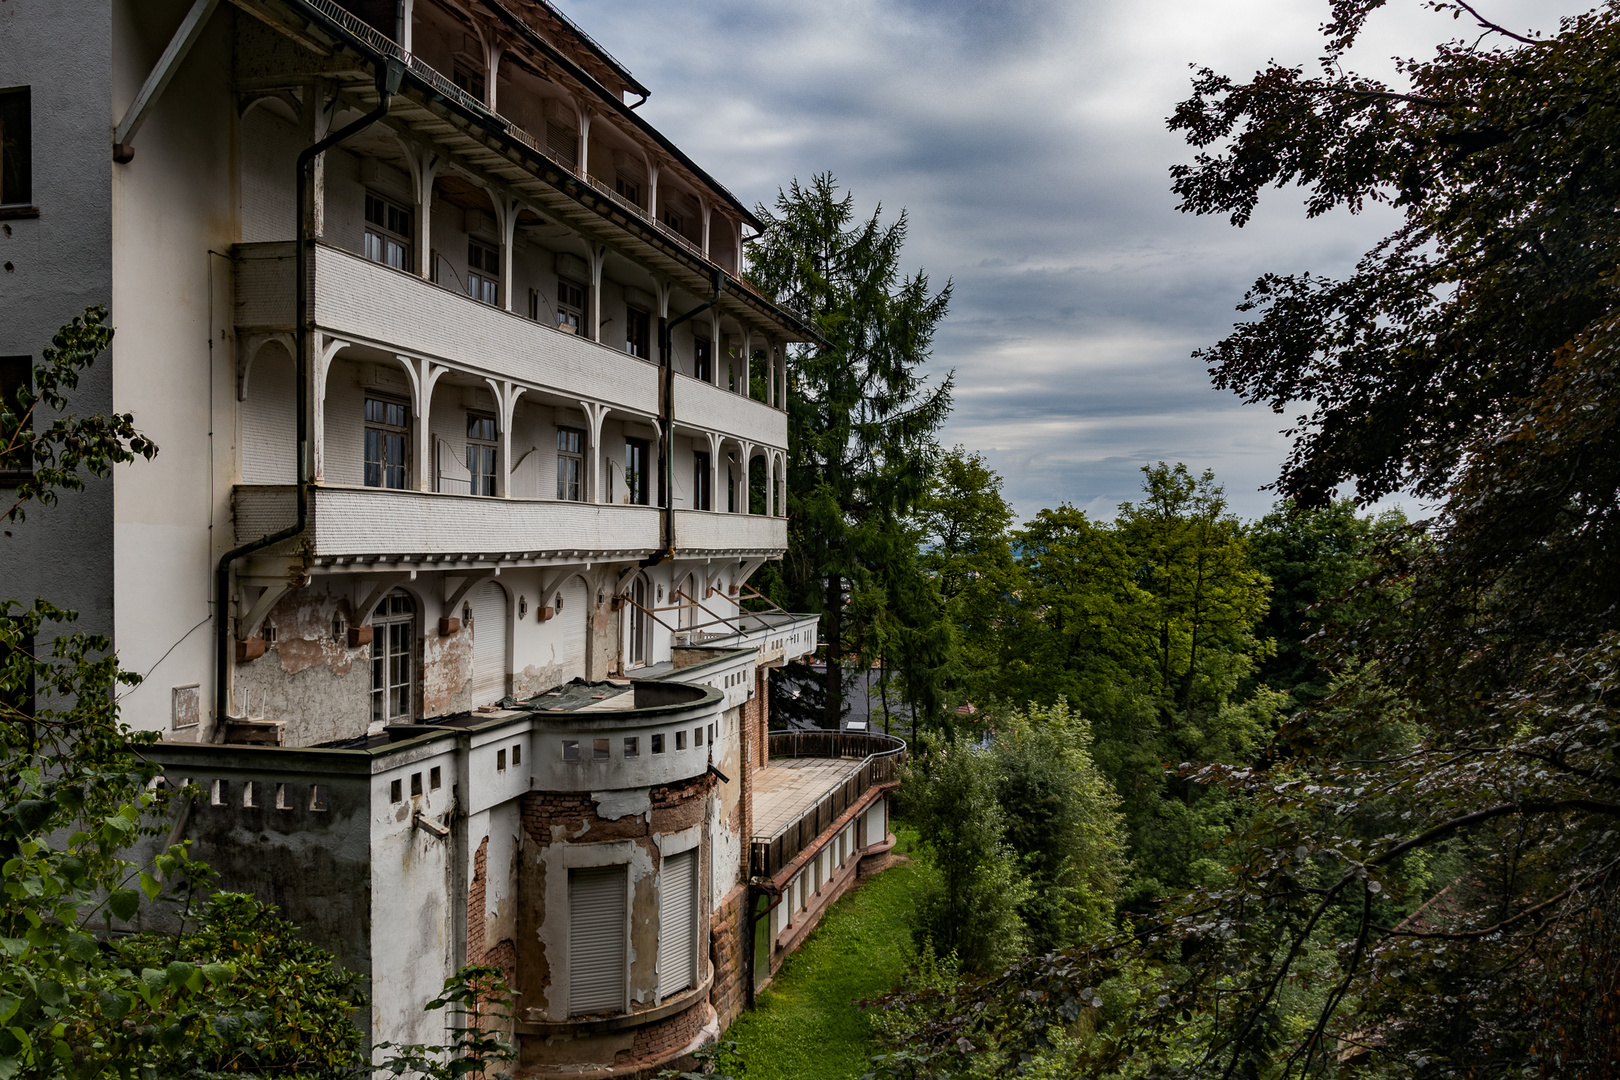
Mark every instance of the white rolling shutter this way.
pixel 489 644
pixel 677 922
pixel 574 623
pixel 596 915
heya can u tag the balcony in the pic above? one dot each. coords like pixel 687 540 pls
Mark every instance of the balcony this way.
pixel 702 532
pixel 372 523
pixel 367 303
pixel 813 778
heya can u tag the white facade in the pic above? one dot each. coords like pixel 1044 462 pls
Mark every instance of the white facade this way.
pixel 515 493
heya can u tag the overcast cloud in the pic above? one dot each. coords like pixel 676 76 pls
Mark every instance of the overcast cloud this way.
pixel 1026 140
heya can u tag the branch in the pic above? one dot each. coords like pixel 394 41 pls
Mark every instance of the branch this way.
pixel 1486 24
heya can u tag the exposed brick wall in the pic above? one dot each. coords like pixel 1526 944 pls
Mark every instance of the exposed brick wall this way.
pixel 659 1041
pixel 729 953
pixel 503 954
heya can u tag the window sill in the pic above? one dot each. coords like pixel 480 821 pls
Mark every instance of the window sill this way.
pixel 18 211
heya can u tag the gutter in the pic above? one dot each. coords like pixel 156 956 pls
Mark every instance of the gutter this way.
pixel 666 359
pixel 389 74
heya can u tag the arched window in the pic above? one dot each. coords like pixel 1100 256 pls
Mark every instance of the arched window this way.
pixel 393 646
pixel 639 597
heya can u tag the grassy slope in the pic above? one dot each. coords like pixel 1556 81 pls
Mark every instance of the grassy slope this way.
pixel 806 1025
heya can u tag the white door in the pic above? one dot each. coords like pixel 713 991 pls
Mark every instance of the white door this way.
pixel 596 916
pixel 573 622
pixel 677 922
pixel 489 644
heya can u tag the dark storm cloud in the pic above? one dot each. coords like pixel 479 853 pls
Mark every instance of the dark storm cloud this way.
pixel 1026 140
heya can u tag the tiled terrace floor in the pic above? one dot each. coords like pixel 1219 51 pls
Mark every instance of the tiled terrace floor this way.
pixel 788 787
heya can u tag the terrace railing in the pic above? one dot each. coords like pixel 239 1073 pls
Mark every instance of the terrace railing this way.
pixel 880 756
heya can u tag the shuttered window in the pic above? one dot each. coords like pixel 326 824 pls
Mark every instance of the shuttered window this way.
pixel 489 643
pixel 596 954
pixel 677 923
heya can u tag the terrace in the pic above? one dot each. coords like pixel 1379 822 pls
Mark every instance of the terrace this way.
pixel 813 779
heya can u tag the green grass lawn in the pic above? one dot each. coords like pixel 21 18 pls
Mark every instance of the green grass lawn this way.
pixel 805 1025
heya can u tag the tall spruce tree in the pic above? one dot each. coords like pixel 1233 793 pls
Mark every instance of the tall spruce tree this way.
pixel 862 424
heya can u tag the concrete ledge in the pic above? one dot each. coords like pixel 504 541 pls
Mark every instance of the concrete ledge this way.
pixel 585 1026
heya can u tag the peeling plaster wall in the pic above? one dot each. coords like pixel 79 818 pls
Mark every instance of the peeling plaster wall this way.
pixel 319 687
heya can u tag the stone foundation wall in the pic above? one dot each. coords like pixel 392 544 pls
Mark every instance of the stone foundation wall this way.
pixel 728 950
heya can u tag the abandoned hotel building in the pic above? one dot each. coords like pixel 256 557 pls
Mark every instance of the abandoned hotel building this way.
pixel 471 434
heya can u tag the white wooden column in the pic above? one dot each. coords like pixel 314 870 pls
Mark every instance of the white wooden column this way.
pixel 584 117
pixel 703 208
pixel 322 349
pixel 424 165
pixel 717 347
pixel 316 119
pixel 597 255
pixel 594 415
pixel 424 374
pixel 506 398
pixel 492 68
pixel 506 216
pixel 747 458
pixel 404 34
pixel 746 344
pixel 714 469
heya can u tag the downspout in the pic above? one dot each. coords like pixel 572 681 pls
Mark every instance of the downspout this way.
pixel 388 80
pixel 665 325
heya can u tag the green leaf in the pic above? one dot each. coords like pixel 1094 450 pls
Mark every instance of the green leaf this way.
pixel 8 1007
pixel 124 903
pixel 228 1027
pixel 218 973
pixel 181 974
pixel 150 885
pixel 32 814
pixel 114 1005
pixel 154 978
pixel 82 947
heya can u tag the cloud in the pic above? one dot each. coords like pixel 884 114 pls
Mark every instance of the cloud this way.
pixel 1026 140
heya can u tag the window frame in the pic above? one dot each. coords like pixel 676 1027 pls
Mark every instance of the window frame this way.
pixel 383 429
pixel 702 481
pixel 576 457
pixel 571 314
pixel 702 359
pixel 638 332
pixel 487 451
pixel 16 146
pixel 637 466
pixel 484 271
pixel 384 232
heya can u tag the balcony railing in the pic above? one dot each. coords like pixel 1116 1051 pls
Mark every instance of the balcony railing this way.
pixel 361 523
pixel 881 757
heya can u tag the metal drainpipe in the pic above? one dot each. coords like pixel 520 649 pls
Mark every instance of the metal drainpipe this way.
pixel 389 77
pixel 665 325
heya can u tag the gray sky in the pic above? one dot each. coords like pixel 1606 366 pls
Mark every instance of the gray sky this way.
pixel 1026 140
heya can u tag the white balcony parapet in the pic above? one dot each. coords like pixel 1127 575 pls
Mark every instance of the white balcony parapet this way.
pixel 366 523
pixel 700 405
pixel 702 532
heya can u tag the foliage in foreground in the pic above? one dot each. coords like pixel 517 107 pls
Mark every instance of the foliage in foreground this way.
pixel 232 991
pixel 1423 879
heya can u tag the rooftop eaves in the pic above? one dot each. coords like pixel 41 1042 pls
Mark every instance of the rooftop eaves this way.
pixel 434 108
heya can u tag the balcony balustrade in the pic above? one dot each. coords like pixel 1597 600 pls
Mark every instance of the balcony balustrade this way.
pixel 810 809
pixel 366 523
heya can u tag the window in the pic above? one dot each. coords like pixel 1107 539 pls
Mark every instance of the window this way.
pixel 599 749
pixel 16 148
pixel 388 232
pixel 628 187
pixel 675 222
pixel 702 360
pixel 500 761
pixel 219 793
pixel 416 783
pixel 635 333
pixel 481 453
pixel 534 304
pixel 483 273
pixel 387 439
pixel 570 749
pixel 317 797
pixel 433 778
pixel 16 455
pixel 597 954
pixel 632 746
pixel 658 744
pixel 697 736
pixel 638 620
pixel 465 74
pixel 677 922
pixel 635 470
pixel 570 306
pixel 701 495
pixel 396 791
pixel 680 740
pixel 392 647
pixel 563 142
pixel 517 754
pixel 570 464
